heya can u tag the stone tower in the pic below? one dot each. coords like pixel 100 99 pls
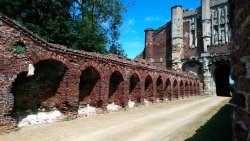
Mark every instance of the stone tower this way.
pixel 206 37
pixel 148 54
pixel 206 24
pixel 177 37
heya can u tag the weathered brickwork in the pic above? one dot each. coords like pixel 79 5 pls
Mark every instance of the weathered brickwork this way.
pixel 240 69
pixel 67 79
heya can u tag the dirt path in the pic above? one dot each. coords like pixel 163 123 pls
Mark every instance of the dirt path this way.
pixel 157 122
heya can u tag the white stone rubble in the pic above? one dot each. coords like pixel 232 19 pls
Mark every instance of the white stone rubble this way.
pixel 158 100
pixel 87 110
pixel 113 107
pixel 131 104
pixel 146 102
pixel 31 69
pixel 40 117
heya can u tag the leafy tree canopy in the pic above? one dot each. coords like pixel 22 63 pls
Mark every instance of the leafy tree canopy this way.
pixel 90 25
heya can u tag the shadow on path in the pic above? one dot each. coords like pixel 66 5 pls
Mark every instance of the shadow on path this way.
pixel 218 128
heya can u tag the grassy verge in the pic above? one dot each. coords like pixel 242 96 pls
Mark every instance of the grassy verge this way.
pixel 217 128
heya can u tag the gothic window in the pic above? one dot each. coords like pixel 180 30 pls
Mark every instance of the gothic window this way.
pixel 222 15
pixel 192 33
pixel 215 36
pixel 222 12
pixel 193 37
pixel 215 16
pixel 223 39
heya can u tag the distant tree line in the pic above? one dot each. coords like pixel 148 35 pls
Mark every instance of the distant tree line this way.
pixel 90 25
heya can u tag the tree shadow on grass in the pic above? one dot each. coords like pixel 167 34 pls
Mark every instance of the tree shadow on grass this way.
pixel 218 128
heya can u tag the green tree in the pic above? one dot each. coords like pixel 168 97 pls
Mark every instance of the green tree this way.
pixel 90 25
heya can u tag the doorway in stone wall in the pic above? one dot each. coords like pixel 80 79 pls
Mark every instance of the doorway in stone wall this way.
pixel 221 76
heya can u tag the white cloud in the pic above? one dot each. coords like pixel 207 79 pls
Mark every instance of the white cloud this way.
pixel 152 18
pixel 131 22
pixel 127 26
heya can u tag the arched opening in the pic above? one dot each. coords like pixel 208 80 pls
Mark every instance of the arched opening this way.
pixel 194 67
pixel 186 89
pixel 195 89
pixel 134 88
pixel 159 88
pixel 168 89
pixel 182 89
pixel 221 77
pixel 149 89
pixel 116 89
pixel 198 89
pixel 38 91
pixel 90 88
pixel 175 89
pixel 191 89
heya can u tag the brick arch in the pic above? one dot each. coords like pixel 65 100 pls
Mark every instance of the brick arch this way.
pixel 186 88
pixel 160 87
pixel 135 87
pixel 168 88
pixel 11 76
pixel 149 88
pixel 182 88
pixel 198 88
pixel 37 57
pixel 39 90
pixel 192 88
pixel 90 87
pixel 113 69
pixel 175 90
pixel 94 65
pixel 116 88
pixel 137 73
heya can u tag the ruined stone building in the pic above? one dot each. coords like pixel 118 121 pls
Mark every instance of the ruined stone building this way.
pixel 195 40
pixel 35 74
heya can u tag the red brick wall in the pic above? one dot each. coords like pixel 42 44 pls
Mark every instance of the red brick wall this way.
pixel 220 49
pixel 68 90
pixel 162 46
pixel 240 70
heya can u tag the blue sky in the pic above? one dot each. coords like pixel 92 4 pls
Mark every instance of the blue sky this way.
pixel 142 14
